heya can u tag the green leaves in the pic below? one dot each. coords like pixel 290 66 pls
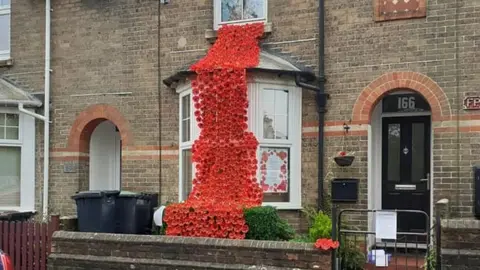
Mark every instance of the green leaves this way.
pixel 265 224
pixel 321 227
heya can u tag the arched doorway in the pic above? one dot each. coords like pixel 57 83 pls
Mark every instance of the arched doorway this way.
pixel 400 157
pixel 105 157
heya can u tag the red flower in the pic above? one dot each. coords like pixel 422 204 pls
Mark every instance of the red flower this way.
pixel 326 244
pixel 342 153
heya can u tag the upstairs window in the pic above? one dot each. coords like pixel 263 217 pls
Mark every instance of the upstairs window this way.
pixel 4 29
pixel 239 11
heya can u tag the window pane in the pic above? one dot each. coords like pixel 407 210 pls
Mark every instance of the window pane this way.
pixel 185 117
pixel 5 32
pixel 186 130
pixel 12 120
pixel 275 173
pixel 275 114
pixel 281 127
pixel 187 174
pixel 4 2
pixel 253 9
pixel 268 128
pixel 418 152
pixel 11 133
pixel 186 107
pixel 394 152
pixel 10 176
pixel 231 10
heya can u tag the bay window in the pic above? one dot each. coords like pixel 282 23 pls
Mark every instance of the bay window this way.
pixel 239 11
pixel 5 11
pixel 274 116
pixel 17 155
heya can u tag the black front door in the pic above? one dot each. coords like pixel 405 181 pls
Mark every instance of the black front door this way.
pixel 406 169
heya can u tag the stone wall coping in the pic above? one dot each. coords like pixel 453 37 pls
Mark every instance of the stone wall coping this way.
pixel 172 240
pixel 449 251
pixel 467 223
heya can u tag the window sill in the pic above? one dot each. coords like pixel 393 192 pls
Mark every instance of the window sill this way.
pixel 6 62
pixel 283 206
pixel 211 35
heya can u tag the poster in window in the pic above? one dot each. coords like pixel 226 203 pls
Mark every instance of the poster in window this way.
pixel 274 170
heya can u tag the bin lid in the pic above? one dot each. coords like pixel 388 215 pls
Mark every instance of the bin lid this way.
pixel 130 194
pixel 95 194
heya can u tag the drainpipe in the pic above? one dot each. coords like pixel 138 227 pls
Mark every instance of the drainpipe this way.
pixel 46 128
pixel 321 98
pixel 46 117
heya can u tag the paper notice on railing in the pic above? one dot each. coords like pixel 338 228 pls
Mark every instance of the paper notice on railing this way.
pixel 386 225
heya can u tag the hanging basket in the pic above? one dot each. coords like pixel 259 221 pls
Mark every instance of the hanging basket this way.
pixel 344 161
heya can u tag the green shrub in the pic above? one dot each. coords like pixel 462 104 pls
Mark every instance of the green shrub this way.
pixel 321 227
pixel 264 223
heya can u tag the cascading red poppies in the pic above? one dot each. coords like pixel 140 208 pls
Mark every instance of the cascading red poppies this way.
pixel 225 152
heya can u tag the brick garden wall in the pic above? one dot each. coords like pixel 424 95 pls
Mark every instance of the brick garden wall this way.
pixel 73 250
pixel 460 249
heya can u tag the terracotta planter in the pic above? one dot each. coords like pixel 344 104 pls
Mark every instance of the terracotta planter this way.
pixel 344 161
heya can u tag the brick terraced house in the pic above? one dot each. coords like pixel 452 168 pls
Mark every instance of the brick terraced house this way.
pixel 403 76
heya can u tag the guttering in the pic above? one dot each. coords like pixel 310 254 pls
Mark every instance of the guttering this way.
pixel 35 115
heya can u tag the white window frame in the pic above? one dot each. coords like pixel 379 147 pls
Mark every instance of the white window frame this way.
pixel 5 10
pixel 26 141
pixel 194 133
pixel 217 18
pixel 255 124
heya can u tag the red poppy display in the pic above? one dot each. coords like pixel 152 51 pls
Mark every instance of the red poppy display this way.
pixel 225 152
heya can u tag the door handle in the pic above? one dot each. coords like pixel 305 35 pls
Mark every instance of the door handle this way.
pixel 426 180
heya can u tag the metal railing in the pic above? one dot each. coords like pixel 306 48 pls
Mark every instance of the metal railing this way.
pixel 410 250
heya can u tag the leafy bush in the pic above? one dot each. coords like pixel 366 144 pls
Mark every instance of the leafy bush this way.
pixel 264 223
pixel 321 227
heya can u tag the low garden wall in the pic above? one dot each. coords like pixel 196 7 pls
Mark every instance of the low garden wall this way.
pixel 78 251
pixel 460 244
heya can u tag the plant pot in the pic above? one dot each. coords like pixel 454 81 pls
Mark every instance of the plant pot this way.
pixel 344 161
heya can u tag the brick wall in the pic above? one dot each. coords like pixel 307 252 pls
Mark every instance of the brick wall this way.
pixel 184 26
pixel 460 249
pixel 99 50
pixel 73 250
pixel 443 47
pixel 26 67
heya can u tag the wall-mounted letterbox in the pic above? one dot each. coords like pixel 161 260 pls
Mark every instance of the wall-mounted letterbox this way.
pixel 344 190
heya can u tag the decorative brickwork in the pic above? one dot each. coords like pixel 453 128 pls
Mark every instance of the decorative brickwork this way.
pixel 376 90
pixel 88 120
pixel 386 10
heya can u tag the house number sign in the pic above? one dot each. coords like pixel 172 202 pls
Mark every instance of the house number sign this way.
pixel 405 103
pixel 471 103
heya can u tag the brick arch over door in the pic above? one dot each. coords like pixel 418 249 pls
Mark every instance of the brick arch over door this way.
pixel 88 120
pixel 376 90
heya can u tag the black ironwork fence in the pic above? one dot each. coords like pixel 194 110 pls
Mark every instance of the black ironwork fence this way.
pixel 361 249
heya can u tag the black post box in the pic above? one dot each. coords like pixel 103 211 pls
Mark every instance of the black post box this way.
pixel 344 190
